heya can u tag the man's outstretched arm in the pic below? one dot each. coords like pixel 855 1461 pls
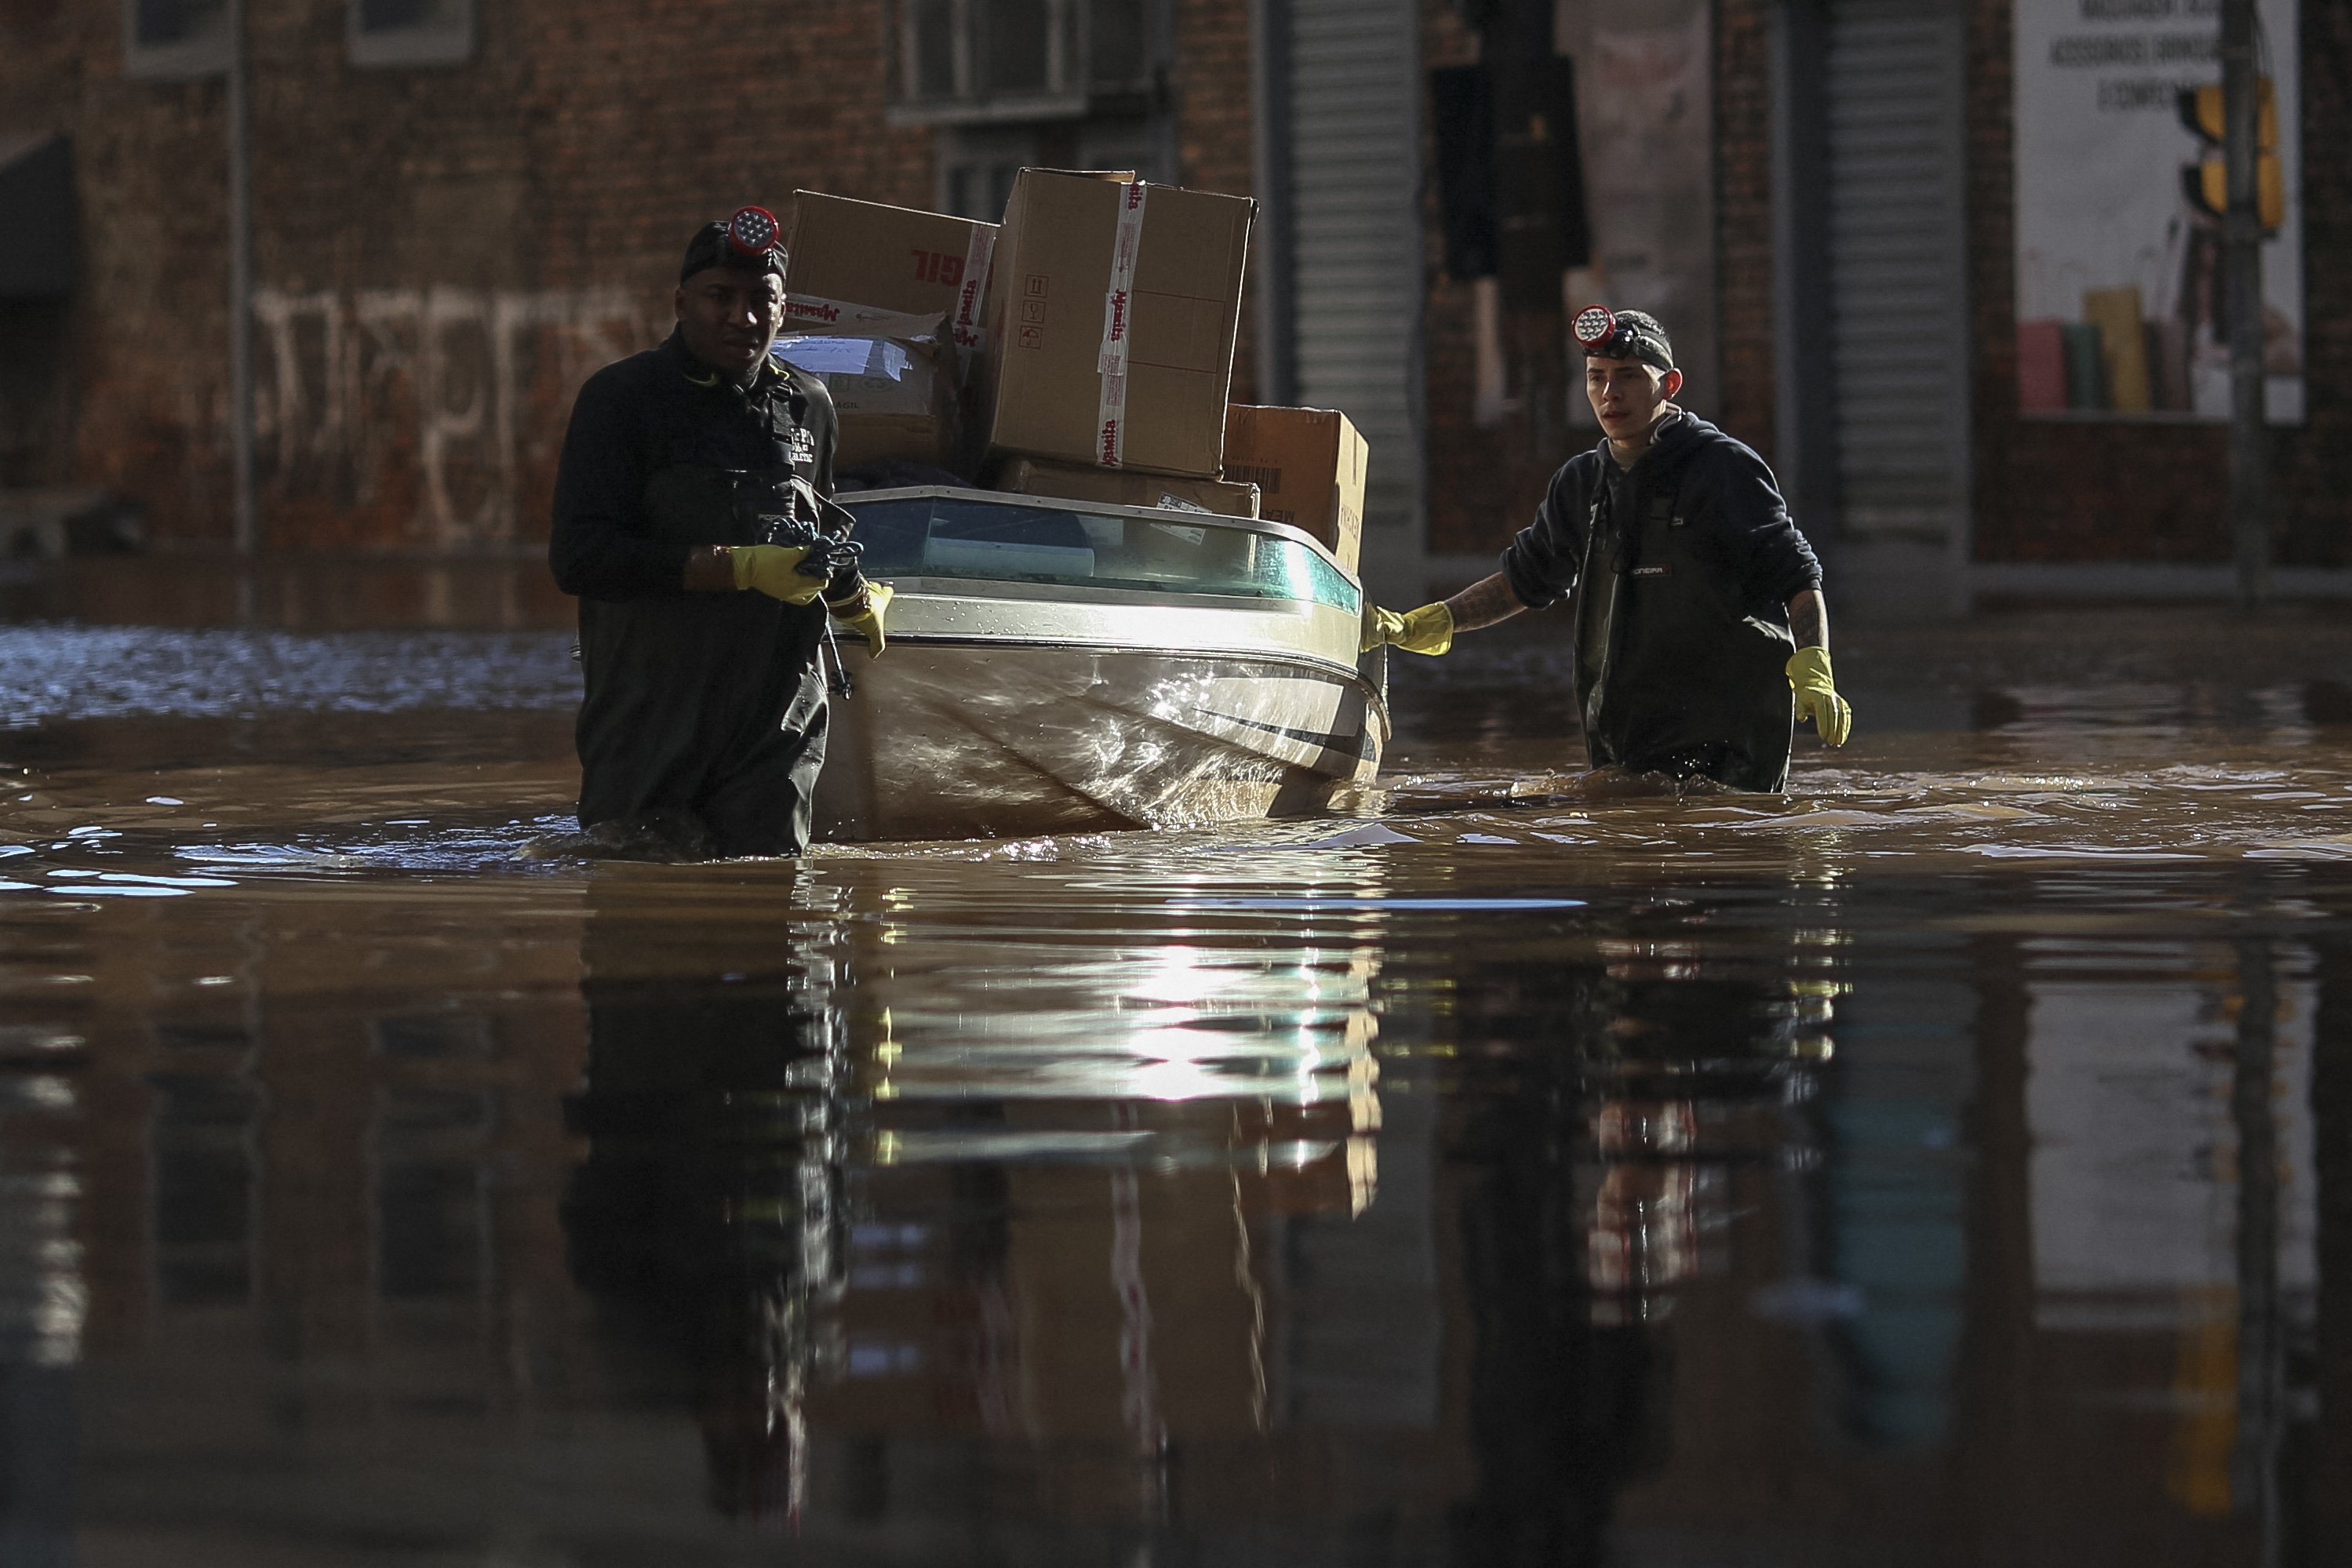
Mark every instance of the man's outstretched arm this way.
pixel 1430 628
pixel 1488 601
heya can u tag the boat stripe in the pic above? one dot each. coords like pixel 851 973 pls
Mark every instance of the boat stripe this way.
pixel 1330 740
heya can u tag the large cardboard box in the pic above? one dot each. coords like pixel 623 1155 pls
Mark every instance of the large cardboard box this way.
pixel 1126 488
pixel 893 389
pixel 1308 465
pixel 1111 323
pixel 850 262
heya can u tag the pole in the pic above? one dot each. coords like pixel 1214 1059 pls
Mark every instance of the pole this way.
pixel 2255 1484
pixel 1271 160
pixel 240 290
pixel 2241 272
pixel 1523 76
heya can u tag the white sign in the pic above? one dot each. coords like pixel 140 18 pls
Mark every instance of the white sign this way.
pixel 2119 295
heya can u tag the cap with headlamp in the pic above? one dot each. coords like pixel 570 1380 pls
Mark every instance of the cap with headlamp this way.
pixel 751 240
pixel 1606 334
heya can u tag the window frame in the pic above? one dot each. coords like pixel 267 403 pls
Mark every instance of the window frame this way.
pixel 1070 90
pixel 205 55
pixel 445 42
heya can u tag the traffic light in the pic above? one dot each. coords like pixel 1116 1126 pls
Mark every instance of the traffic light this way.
pixel 2207 181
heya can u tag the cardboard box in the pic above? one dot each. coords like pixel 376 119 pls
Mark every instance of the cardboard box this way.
pixel 851 262
pixel 1110 324
pixel 1308 465
pixel 893 390
pixel 1126 487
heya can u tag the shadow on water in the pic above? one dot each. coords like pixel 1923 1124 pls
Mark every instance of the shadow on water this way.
pixel 1946 1164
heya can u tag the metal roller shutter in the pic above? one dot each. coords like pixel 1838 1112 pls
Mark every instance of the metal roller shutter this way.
pixel 1356 262
pixel 1897 258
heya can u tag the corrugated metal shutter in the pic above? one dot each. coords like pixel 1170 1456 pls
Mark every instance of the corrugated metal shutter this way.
pixel 1355 124
pixel 1897 254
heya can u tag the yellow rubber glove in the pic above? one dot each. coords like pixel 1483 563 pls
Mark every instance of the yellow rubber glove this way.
pixel 774 570
pixel 1428 630
pixel 869 620
pixel 1817 698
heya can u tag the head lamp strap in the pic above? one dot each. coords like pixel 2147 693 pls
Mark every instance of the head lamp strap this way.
pixel 1604 334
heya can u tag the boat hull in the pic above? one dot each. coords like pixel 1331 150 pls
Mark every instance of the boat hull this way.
pixel 952 737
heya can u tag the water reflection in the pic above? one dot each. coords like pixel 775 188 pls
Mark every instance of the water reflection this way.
pixel 706 1217
pixel 44 1289
pixel 1942 1167
pixel 852 1219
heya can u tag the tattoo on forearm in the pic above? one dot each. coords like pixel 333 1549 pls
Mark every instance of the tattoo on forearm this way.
pixel 1484 603
pixel 1809 619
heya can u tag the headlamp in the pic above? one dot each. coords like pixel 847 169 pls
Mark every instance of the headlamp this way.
pixel 751 232
pixel 1593 326
pixel 1605 334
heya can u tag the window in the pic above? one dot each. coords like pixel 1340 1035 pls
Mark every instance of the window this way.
pixel 204 1180
pixel 431 1192
pixel 410 32
pixel 976 165
pixel 168 38
pixel 972 57
pixel 1006 541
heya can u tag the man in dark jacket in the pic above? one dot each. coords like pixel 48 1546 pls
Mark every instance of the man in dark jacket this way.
pixel 691 521
pixel 1701 615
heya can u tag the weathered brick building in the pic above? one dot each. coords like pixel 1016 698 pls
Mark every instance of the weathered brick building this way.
pixel 460 207
pixel 444 244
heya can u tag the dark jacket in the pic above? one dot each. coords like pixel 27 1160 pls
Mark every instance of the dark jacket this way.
pixel 706 703
pixel 659 409
pixel 1687 562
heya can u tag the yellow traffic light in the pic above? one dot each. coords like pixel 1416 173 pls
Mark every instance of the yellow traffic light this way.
pixel 2207 183
pixel 2200 111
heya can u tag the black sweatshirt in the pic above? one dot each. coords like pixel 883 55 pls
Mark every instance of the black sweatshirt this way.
pixel 1725 489
pixel 1682 626
pixel 602 544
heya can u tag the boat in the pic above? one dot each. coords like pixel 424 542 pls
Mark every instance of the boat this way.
pixel 1065 666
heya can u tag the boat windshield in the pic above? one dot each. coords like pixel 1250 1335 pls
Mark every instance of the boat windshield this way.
pixel 1009 541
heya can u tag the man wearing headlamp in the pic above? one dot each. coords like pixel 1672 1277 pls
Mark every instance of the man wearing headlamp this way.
pixel 693 522
pixel 1701 633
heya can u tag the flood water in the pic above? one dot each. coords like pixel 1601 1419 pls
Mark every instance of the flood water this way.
pixel 1950 1163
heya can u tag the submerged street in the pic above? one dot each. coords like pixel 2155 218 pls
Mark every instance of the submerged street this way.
pixel 1945 1163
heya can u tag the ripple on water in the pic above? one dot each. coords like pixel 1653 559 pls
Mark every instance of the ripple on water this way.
pixel 71 673
pixel 1336 1156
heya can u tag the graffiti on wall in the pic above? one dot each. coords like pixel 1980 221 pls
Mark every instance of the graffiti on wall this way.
pixel 426 418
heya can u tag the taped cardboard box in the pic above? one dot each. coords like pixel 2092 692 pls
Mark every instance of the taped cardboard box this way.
pixel 893 390
pixel 1110 326
pixel 851 264
pixel 1308 465
pixel 1126 487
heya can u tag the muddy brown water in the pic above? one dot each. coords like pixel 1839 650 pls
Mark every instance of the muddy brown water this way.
pixel 1945 1164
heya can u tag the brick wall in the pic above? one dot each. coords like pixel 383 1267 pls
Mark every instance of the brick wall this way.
pixel 441 254
pixel 1743 208
pixel 1484 480
pixel 1209 85
pixel 2312 526
pixel 154 152
pixel 2087 491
